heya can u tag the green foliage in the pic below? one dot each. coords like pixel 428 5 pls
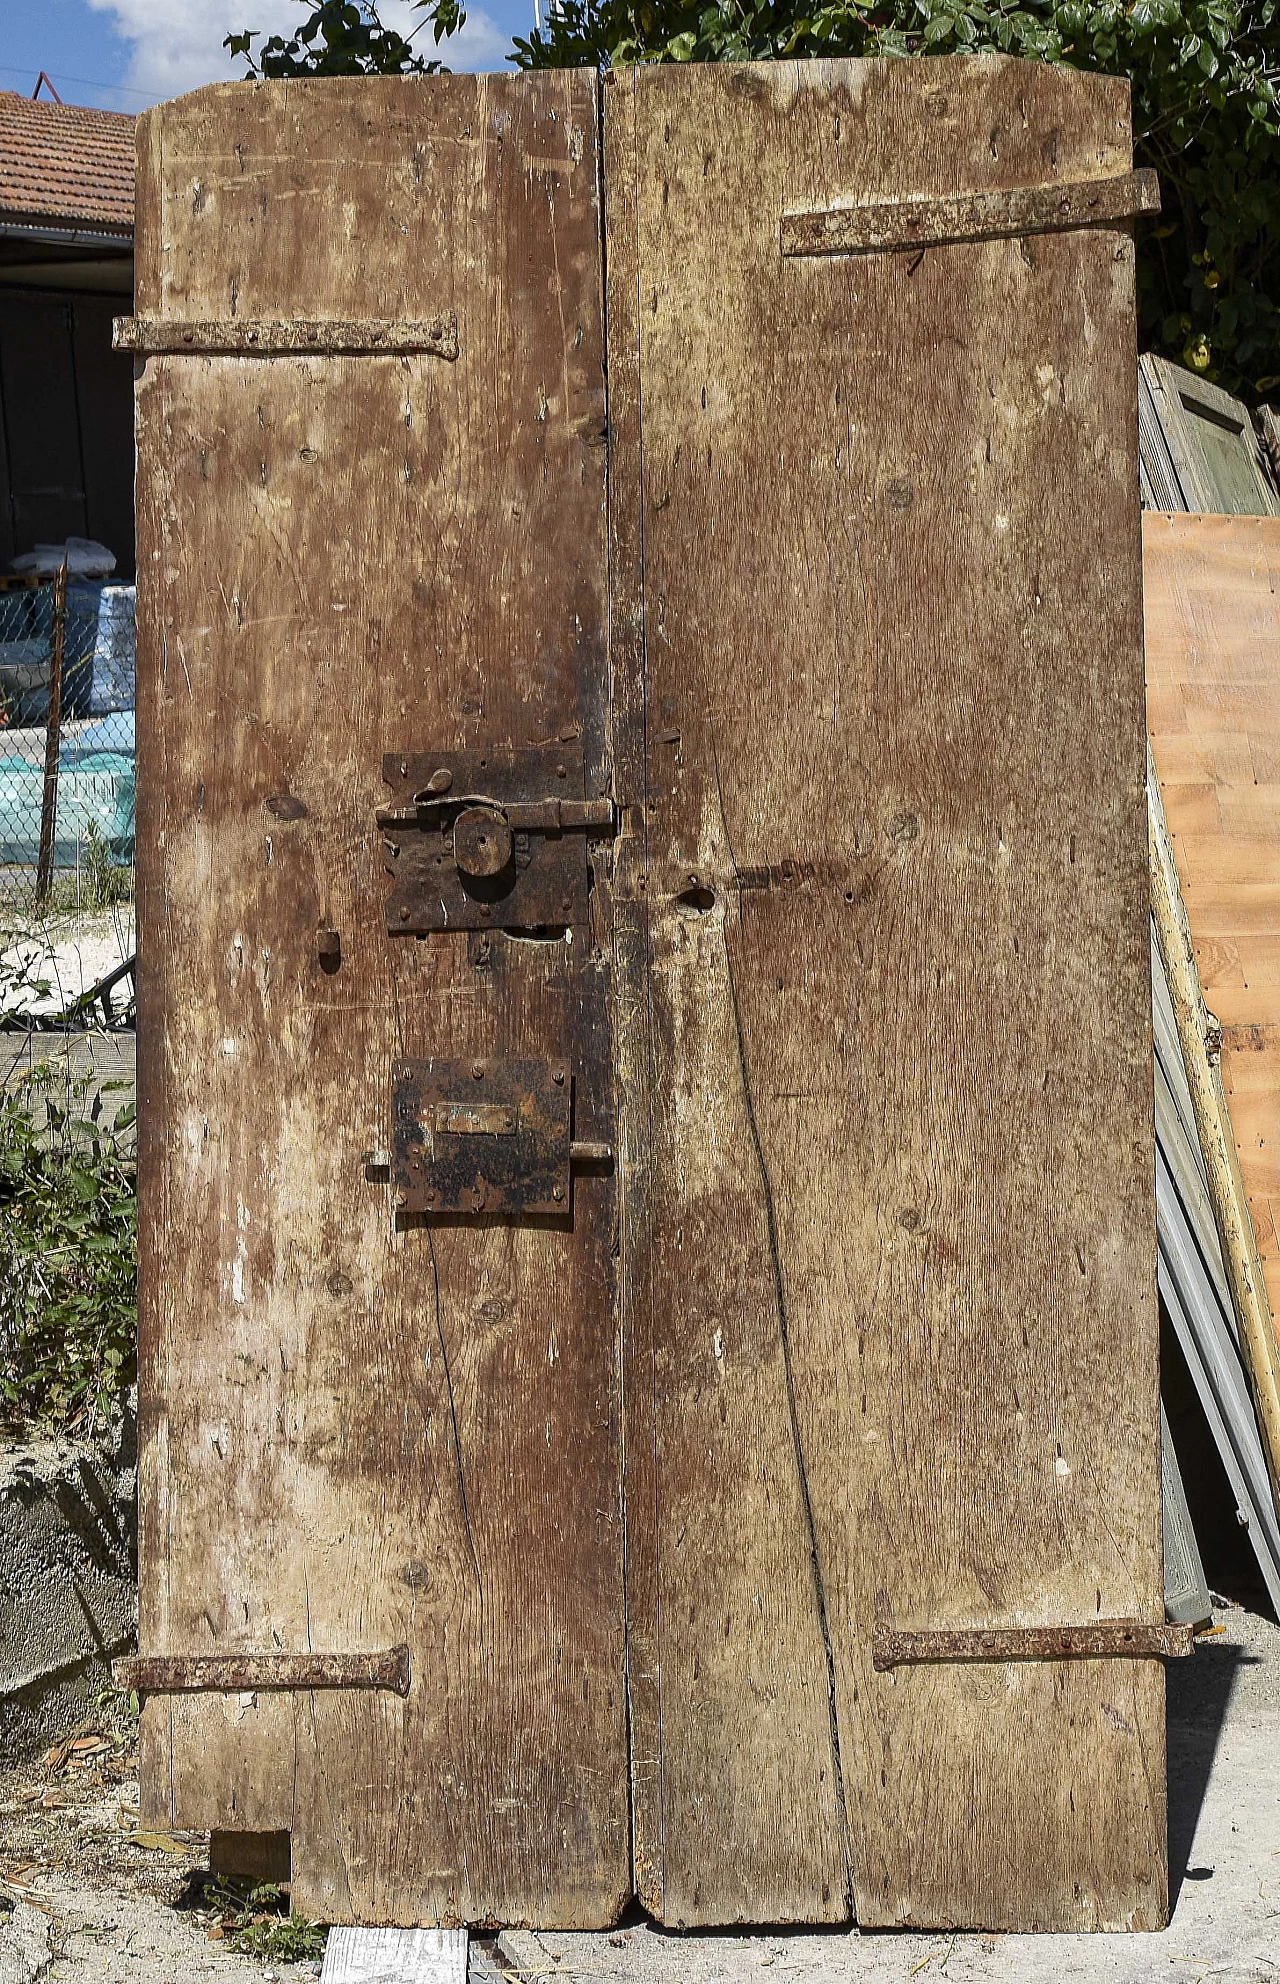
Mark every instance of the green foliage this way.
pixel 68 1249
pixel 343 38
pixel 100 881
pixel 1205 110
pixel 255 1920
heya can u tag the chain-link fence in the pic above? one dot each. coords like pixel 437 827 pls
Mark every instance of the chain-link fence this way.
pixel 66 747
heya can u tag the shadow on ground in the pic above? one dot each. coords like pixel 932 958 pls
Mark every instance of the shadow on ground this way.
pixel 1199 1695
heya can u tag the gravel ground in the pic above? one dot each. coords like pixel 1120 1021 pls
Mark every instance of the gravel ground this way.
pixel 95 1900
pixel 65 955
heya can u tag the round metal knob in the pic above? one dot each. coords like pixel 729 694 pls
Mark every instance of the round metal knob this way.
pixel 482 844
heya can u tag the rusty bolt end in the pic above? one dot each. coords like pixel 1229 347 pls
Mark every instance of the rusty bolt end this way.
pixel 558 1078
pixel 562 771
pixel 478 1070
pixel 404 912
pixel 557 1192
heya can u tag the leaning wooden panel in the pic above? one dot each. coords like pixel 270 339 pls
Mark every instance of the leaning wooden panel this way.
pixel 363 1430
pixel 897 1214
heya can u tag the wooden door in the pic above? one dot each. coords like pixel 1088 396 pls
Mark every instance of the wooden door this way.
pixel 886 1067
pixel 864 1339
pixel 362 1429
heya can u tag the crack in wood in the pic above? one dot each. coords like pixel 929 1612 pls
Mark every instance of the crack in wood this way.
pixel 797 1441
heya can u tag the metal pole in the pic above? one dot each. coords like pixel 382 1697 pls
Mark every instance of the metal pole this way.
pixel 52 738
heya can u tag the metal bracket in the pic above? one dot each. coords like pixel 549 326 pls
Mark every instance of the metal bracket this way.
pixel 261 1673
pixel 880 226
pixel 1106 1639
pixel 247 337
pixel 485 1137
pixel 489 840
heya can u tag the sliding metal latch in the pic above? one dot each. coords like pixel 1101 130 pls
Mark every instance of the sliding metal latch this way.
pixel 485 1137
pixel 261 1673
pixel 490 839
pixel 1105 1639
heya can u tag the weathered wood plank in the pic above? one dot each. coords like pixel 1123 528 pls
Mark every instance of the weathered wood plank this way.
pixel 894 1325
pixel 736 1795
pixel 395 1956
pixel 360 1429
pixel 1016 210
pixel 1200 448
pixel 632 1021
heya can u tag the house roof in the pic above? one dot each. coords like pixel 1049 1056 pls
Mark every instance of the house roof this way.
pixel 66 165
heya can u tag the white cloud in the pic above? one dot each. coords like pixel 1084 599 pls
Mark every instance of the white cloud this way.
pixel 177 44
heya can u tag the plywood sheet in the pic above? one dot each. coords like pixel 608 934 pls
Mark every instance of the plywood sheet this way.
pixel 358 1429
pixel 1212 590
pixel 888 1211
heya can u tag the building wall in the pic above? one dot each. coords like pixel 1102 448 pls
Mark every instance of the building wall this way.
pixel 66 424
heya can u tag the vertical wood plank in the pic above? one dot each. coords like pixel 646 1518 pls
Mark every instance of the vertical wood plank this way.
pixel 363 1429
pixel 736 1793
pixel 897 1246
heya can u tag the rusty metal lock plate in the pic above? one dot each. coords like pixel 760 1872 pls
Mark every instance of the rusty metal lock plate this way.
pixel 481 1137
pixel 473 839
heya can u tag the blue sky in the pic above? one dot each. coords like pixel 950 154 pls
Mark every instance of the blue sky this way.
pixel 125 54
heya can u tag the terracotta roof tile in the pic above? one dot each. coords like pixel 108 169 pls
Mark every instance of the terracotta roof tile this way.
pixel 65 164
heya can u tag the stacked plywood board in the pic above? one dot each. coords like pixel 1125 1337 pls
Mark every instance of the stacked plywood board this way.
pixel 1213 700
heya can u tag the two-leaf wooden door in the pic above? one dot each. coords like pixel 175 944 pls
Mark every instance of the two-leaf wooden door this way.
pixel 644 1035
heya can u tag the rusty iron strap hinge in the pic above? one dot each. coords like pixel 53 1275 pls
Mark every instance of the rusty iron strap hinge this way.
pixel 261 1673
pixel 235 337
pixel 893 225
pixel 1106 1639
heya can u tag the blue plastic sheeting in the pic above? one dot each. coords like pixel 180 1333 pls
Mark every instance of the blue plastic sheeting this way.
pixel 113 655
pixel 95 789
pixel 114 733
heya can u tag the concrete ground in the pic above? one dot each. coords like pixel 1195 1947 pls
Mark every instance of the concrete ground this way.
pixel 95 1899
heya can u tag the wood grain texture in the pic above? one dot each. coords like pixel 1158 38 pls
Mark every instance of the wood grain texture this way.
pixel 890 1335
pixel 395 1956
pixel 358 1431
pixel 1213 701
